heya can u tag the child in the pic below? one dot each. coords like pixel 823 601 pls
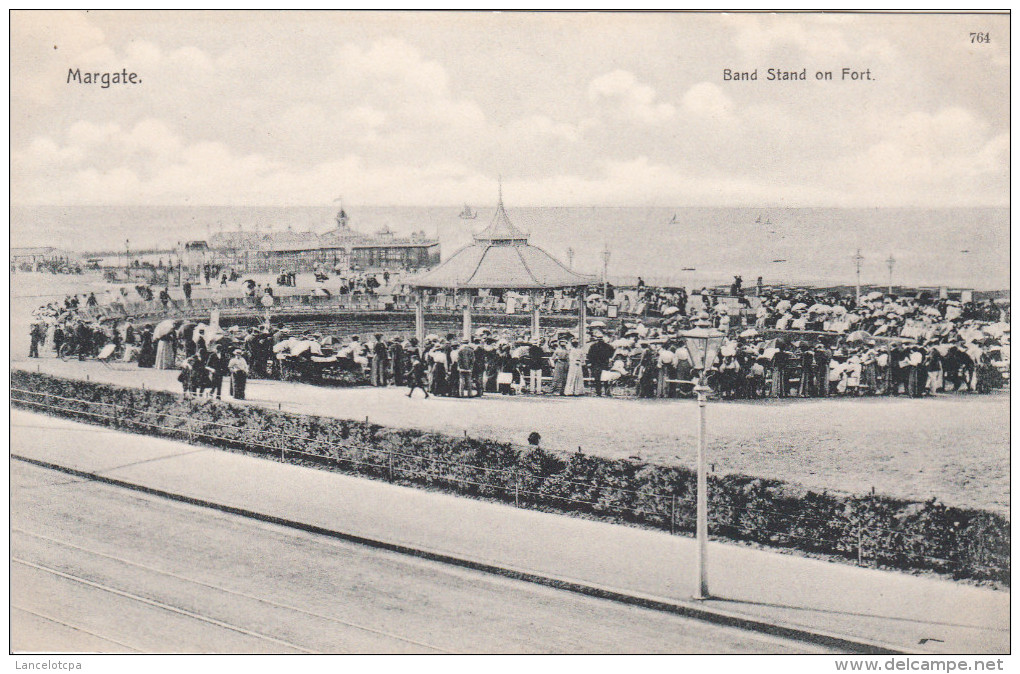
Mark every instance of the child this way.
pixel 185 377
pixel 417 376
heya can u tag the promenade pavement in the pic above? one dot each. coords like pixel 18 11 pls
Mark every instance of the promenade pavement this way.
pixel 895 610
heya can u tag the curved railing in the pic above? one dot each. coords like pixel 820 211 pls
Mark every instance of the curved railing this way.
pixel 298 304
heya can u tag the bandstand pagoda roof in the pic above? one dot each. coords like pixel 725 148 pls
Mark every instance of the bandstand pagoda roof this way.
pixel 500 257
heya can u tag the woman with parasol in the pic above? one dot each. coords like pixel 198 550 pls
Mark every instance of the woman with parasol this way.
pixel 165 335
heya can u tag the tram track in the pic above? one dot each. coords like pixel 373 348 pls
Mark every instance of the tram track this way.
pixel 244 595
pixel 160 605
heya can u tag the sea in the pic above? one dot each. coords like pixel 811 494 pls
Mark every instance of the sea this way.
pixel 692 247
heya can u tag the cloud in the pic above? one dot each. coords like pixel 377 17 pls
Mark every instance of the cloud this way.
pixel 620 93
pixel 950 156
pixel 707 100
pixel 817 37
pixel 542 128
pixel 410 116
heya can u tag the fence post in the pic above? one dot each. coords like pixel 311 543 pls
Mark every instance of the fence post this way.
pixel 517 492
pixel 860 545
pixel 389 466
pixel 672 515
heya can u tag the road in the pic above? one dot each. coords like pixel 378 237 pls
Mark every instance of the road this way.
pixel 99 568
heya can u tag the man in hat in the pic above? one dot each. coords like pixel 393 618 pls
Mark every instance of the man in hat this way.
pixel 216 366
pixel 478 371
pixel 379 358
pixel 535 359
pixel 808 371
pixel 647 371
pixel 492 363
pixel 599 355
pixel 465 356
pixel 37 334
pixel 396 356
pixel 822 358
pixel 238 368
pixel 83 334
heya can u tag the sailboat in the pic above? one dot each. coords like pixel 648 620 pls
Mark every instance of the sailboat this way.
pixel 674 220
pixel 758 221
pixel 467 213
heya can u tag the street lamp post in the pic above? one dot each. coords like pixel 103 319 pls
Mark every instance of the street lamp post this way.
pixel 858 258
pixel 605 270
pixel 127 256
pixel 891 261
pixel 703 343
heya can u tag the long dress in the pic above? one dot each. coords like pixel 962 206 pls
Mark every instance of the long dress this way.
pixel 561 365
pixel 575 373
pixel 166 355
pixel 146 353
pixel 437 380
pixel 238 377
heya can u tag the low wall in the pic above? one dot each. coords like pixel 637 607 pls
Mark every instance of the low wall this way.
pixel 869 530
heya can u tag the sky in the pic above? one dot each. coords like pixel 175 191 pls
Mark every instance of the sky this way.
pixel 415 108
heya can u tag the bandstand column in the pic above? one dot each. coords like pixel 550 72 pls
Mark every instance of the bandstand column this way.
pixel 535 315
pixel 419 315
pixel 467 316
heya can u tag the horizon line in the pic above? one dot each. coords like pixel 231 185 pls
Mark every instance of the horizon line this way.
pixel 14 204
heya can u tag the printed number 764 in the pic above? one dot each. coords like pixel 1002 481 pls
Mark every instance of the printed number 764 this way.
pixel 980 38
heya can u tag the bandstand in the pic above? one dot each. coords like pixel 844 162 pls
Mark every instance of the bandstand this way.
pixel 499 259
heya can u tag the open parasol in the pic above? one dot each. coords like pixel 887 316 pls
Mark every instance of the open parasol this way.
pixel 163 328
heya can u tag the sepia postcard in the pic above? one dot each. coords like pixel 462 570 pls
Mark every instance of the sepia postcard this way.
pixel 479 332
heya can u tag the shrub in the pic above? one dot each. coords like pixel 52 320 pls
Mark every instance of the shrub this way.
pixel 874 530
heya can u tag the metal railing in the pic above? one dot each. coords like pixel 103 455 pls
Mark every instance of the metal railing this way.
pixel 229 306
pixel 859 543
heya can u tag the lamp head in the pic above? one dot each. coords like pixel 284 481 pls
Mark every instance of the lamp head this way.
pixel 703 343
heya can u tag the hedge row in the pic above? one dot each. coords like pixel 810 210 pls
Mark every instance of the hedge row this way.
pixel 870 530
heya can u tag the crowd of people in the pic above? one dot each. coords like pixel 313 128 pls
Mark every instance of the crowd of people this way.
pixel 56 265
pixel 795 343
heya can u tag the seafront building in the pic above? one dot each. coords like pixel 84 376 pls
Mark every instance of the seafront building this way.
pixel 35 257
pixel 340 249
